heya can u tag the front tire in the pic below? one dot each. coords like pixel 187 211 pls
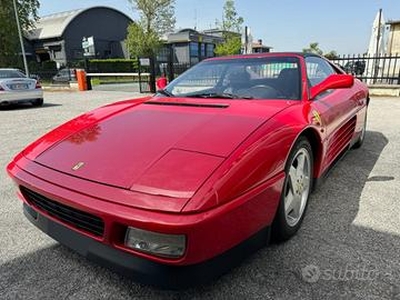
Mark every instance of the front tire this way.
pixel 296 191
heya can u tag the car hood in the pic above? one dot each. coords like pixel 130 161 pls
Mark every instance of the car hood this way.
pixel 162 147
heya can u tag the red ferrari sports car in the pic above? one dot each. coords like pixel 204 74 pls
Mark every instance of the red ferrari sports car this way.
pixel 175 188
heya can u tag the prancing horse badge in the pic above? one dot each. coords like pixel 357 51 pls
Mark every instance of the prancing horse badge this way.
pixel 78 166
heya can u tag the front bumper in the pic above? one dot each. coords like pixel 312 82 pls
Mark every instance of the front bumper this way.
pixel 143 270
pixel 212 236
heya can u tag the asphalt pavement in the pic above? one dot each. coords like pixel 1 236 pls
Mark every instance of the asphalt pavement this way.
pixel 347 248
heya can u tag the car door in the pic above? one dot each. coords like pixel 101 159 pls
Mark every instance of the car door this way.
pixel 335 109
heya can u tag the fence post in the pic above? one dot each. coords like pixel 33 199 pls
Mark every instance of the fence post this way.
pixel 171 64
pixel 398 78
pixel 152 81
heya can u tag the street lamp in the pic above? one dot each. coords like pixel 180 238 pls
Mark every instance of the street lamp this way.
pixel 20 38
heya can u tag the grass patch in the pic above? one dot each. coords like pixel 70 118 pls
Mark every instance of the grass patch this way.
pixel 114 79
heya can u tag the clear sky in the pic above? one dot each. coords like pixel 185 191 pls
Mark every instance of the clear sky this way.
pixel 286 25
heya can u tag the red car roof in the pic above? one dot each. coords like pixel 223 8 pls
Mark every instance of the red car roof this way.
pixel 261 55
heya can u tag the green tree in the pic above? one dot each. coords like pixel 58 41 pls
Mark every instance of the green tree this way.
pixel 231 25
pixel 157 17
pixel 141 42
pixel 331 55
pixel 9 45
pixel 314 48
pixel 230 46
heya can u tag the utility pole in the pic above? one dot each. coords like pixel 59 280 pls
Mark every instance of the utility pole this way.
pixel 246 39
pixel 195 19
pixel 21 39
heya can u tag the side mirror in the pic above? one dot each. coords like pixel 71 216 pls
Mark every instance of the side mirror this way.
pixel 334 81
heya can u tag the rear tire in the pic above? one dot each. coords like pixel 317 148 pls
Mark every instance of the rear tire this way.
pixel 38 102
pixel 296 191
pixel 361 139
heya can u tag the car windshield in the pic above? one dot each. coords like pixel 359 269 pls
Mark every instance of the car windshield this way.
pixel 240 78
pixel 11 74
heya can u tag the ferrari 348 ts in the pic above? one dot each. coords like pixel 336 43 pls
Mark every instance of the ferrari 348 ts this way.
pixel 175 188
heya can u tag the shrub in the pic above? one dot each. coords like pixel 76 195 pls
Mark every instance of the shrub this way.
pixel 113 65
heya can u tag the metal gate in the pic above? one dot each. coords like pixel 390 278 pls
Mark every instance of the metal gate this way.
pixel 147 82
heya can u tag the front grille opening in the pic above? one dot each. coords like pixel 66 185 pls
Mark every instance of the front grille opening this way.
pixel 71 216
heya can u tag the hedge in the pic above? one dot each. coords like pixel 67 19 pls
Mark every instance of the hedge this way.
pixel 113 65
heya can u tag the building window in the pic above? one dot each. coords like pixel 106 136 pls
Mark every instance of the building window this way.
pixel 210 50
pixel 164 53
pixel 194 49
pixel 203 50
pixel 181 53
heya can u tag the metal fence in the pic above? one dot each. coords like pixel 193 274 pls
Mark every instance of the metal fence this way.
pixel 372 69
pixel 44 75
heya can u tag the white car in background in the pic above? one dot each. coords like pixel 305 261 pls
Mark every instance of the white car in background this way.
pixel 15 88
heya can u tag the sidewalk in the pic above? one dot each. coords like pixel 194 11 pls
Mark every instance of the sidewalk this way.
pixel 388 90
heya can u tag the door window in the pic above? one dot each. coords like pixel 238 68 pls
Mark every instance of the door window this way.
pixel 318 70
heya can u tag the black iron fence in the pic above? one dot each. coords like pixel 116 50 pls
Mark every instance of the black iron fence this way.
pixel 372 69
pixel 44 75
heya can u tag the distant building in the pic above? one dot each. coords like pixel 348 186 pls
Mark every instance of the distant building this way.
pixel 58 37
pixel 394 37
pixel 258 47
pixel 220 33
pixel 189 46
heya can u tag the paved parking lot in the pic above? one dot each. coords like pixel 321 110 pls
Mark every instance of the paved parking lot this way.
pixel 348 247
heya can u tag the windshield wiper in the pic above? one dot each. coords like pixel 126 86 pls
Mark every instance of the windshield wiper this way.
pixel 165 93
pixel 219 95
pixel 213 95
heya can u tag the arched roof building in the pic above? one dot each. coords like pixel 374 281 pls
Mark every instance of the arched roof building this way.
pixel 59 36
